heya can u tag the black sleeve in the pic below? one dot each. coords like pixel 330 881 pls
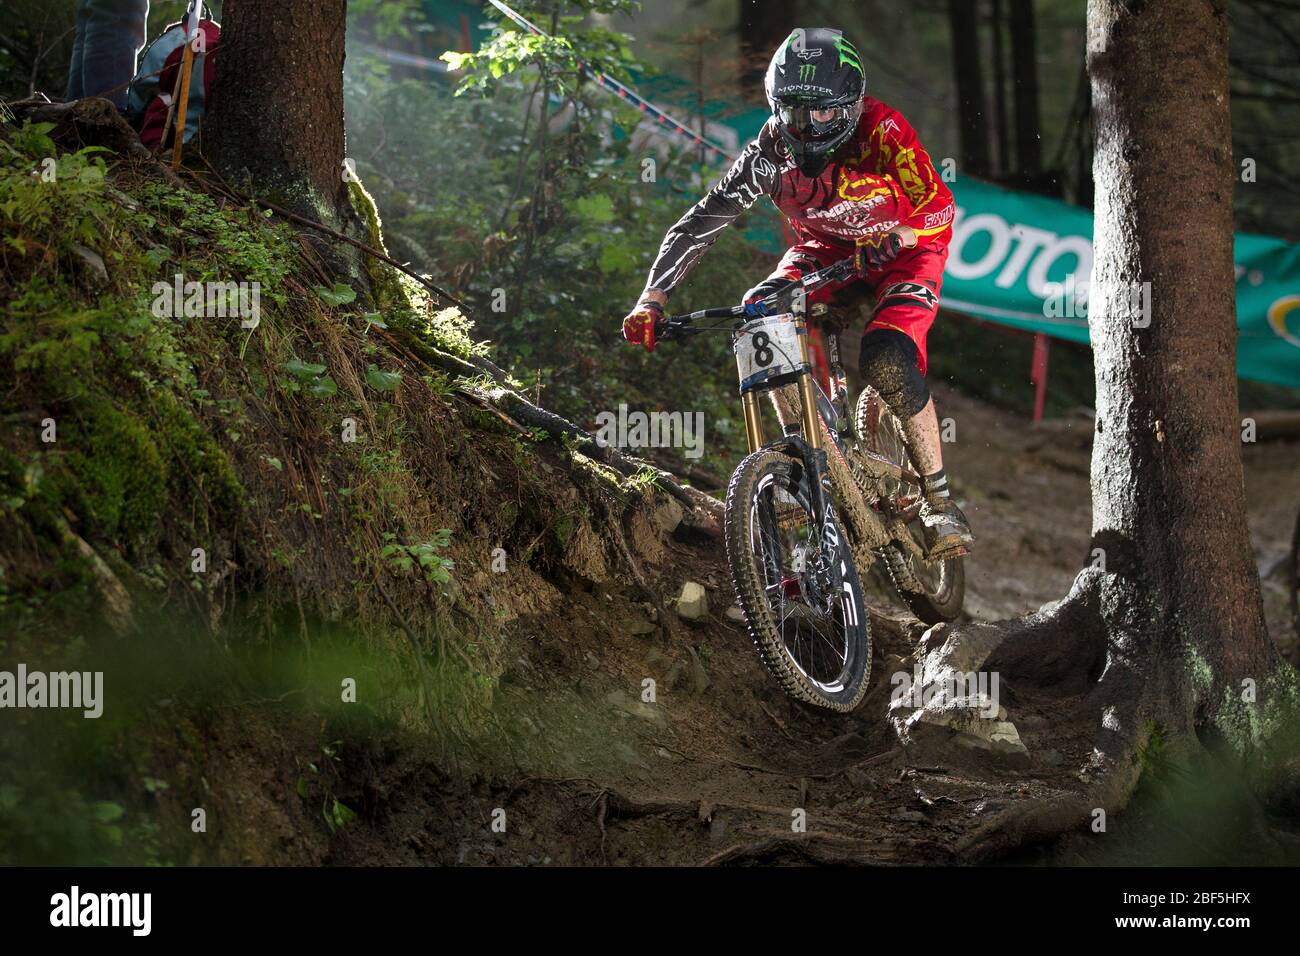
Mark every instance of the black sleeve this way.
pixel 753 174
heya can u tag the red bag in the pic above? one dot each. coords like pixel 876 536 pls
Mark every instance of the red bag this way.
pixel 201 81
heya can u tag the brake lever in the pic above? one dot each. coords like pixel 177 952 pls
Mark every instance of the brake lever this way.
pixel 677 332
pixel 783 301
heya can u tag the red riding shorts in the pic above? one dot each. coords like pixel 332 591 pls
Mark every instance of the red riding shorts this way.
pixel 906 290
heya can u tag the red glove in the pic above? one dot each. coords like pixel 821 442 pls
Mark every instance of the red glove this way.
pixel 639 326
pixel 874 250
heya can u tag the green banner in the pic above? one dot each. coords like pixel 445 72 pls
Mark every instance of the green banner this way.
pixel 1024 261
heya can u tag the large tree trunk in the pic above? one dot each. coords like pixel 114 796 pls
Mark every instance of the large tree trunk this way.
pixel 968 73
pixel 1160 645
pixel 1168 496
pixel 276 122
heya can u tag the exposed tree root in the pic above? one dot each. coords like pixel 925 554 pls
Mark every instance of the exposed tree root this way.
pixel 814 847
pixel 1058 652
pixel 1093 661
pixel 92 121
pixel 620 806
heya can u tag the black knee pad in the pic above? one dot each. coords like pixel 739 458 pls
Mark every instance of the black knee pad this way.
pixel 888 364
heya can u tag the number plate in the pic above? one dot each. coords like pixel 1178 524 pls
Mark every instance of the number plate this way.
pixel 767 349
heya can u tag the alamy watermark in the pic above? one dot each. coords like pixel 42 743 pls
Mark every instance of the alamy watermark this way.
pixel 624 429
pixel 1070 300
pixel 35 689
pixel 209 299
pixel 130 910
pixel 977 687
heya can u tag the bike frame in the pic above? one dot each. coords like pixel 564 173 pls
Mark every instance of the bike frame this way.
pixel 808 447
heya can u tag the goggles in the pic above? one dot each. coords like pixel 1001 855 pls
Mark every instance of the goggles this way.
pixel 808 124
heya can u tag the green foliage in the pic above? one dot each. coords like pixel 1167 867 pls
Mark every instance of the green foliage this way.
pixel 42 819
pixel 570 42
pixel 449 330
pixel 312 377
pixel 643 480
pixel 242 243
pixel 195 458
pixel 341 294
pixel 114 476
pixel 333 811
pixel 382 381
pixel 303 370
pixel 337 814
pixel 384 18
pixel 548 236
pixel 436 567
pixel 89 351
pixel 67 189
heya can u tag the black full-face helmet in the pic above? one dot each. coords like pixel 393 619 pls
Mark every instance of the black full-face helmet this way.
pixel 815 86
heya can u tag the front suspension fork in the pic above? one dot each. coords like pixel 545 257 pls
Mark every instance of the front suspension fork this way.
pixel 812 432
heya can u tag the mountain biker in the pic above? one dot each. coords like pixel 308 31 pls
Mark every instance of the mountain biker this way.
pixel 851 177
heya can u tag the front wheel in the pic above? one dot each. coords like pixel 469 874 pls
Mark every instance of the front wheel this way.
pixel 797 584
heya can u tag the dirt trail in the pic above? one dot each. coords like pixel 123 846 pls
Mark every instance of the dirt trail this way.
pixel 721 765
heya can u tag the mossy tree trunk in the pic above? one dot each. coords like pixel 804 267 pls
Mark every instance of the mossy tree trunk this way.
pixel 1160 647
pixel 1169 510
pixel 276 122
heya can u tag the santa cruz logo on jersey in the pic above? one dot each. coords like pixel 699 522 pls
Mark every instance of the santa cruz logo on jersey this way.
pixel 903 163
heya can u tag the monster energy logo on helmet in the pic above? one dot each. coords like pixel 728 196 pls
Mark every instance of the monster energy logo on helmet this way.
pixel 848 53
pixel 814 85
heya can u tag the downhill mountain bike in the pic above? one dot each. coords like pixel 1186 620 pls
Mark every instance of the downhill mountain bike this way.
pixel 808 512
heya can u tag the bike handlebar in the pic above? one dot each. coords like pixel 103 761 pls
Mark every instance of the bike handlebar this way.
pixel 676 327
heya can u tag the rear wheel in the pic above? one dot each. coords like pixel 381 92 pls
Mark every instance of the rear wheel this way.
pixel 933 590
pixel 797 584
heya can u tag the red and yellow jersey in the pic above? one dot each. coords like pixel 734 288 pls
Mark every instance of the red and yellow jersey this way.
pixel 879 179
